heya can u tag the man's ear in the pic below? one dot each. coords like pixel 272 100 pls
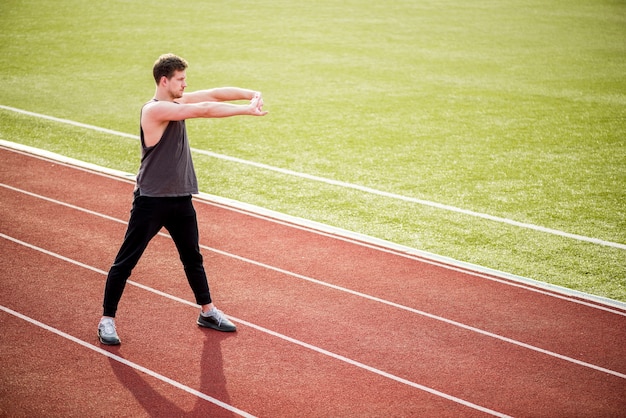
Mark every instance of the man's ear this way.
pixel 163 81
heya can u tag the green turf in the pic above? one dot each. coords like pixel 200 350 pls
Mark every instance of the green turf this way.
pixel 515 109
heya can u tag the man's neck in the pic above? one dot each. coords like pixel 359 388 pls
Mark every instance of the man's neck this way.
pixel 163 96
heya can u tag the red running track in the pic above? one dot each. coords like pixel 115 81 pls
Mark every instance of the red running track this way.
pixel 328 325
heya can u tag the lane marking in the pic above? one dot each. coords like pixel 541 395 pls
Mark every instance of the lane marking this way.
pixel 336 287
pixel 330 231
pixel 128 363
pixel 342 184
pixel 249 324
pixel 452 265
pixel 342 289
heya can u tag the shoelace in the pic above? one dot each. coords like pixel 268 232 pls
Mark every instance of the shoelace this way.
pixel 219 316
pixel 109 327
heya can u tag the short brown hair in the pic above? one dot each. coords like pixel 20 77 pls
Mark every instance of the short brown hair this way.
pixel 166 65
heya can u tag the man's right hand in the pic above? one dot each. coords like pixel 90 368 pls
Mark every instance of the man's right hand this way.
pixel 257 105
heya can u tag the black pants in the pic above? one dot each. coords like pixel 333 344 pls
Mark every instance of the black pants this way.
pixel 147 217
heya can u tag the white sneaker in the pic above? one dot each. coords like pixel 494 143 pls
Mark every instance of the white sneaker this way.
pixel 107 333
pixel 216 319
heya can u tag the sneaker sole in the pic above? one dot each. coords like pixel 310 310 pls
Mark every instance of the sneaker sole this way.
pixel 108 342
pixel 211 326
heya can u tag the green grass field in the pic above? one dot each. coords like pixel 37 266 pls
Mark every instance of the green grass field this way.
pixel 515 109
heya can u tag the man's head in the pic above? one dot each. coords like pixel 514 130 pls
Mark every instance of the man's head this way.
pixel 166 66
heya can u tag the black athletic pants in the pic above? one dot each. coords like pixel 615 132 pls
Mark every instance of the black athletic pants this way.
pixel 147 217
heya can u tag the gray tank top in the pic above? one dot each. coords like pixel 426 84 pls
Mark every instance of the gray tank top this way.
pixel 166 168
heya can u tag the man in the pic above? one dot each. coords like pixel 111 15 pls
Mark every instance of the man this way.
pixel 165 183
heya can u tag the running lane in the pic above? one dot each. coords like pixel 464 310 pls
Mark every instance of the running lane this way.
pixel 328 326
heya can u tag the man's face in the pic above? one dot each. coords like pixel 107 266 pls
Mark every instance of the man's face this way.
pixel 176 85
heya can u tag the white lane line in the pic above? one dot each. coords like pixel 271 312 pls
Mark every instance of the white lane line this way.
pixel 249 324
pixel 470 270
pixel 343 184
pixel 339 234
pixel 346 290
pixel 128 363
pixel 409 256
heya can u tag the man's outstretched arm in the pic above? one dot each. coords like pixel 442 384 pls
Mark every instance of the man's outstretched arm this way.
pixel 156 115
pixel 220 94
pixel 167 111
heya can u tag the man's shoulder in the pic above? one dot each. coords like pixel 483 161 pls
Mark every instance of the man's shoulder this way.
pixel 158 109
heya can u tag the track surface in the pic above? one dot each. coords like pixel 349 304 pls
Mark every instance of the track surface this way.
pixel 328 326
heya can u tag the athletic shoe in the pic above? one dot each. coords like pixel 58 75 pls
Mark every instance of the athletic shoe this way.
pixel 107 333
pixel 216 319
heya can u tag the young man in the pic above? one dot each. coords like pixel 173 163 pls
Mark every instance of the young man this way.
pixel 165 183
